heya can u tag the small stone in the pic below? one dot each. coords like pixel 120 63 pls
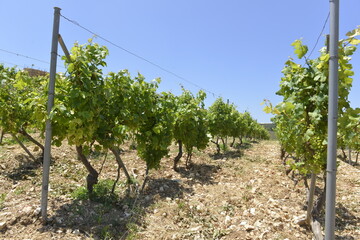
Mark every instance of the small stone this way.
pixel 164 214
pixel 3 226
pixel 262 235
pixel 195 229
pixel 258 224
pixel 252 211
pixel 278 226
pixel 76 232
pixel 249 228
pixel 5 214
pixel 178 181
pixel 232 227
pixel 156 211
pixel 58 220
pixel 200 207
pixel 175 237
pixel 161 189
pixel 300 220
pixel 37 211
pixel 27 210
pixel 227 219
pixel 168 199
pixel 13 220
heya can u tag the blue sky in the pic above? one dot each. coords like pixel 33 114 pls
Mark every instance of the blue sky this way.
pixel 234 49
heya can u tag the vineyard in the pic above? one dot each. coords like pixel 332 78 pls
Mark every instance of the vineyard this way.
pixel 243 193
pixel 130 162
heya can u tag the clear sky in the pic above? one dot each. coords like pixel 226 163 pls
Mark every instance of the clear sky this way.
pixel 235 49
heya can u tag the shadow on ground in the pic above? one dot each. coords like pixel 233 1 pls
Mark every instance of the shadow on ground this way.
pixel 24 170
pixel 113 221
pixel 200 173
pixel 353 162
pixel 238 153
pixel 343 220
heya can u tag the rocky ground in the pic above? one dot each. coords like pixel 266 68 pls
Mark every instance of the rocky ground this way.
pixel 243 193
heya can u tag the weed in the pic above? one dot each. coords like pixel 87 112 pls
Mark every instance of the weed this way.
pixel 239 170
pixel 219 233
pixel 228 208
pixel 19 190
pixel 106 233
pixel 224 147
pixel 2 200
pixel 248 186
pixel 181 205
pixel 78 210
pixel 80 194
pixel 101 193
pixel 247 197
pixel 254 159
pixel 132 229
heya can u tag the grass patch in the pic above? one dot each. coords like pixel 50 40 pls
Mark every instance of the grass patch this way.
pixel 19 190
pixel 106 233
pixel 8 140
pixel 132 229
pixel 101 193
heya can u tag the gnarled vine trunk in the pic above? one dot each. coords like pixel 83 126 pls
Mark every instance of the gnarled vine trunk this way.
pixel 116 152
pixel 92 177
pixel 240 140
pixel 177 158
pixel 23 147
pixel 233 142
pixel 188 159
pixel 33 140
pixel 217 145
pixel 1 136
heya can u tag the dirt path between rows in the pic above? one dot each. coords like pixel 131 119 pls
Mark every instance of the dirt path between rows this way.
pixel 242 194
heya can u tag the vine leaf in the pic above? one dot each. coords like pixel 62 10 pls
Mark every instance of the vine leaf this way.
pixel 299 49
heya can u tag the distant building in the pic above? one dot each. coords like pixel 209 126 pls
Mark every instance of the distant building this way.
pixel 35 72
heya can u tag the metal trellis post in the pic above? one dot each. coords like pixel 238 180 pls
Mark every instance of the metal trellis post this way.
pixel 332 122
pixel 50 103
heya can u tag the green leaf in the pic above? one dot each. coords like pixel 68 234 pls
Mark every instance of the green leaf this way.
pixel 157 129
pixel 299 49
pixel 70 67
pixel 354 41
pixel 267 109
pixel 353 33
